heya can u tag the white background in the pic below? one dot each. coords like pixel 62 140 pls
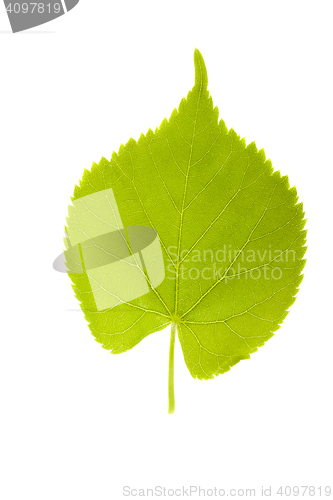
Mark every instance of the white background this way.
pixel 76 421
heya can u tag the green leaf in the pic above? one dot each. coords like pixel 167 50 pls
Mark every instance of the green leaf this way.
pixel 230 230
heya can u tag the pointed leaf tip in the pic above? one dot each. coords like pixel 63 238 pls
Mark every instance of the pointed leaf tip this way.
pixel 201 77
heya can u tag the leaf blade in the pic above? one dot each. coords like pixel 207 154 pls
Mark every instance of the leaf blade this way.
pixel 204 192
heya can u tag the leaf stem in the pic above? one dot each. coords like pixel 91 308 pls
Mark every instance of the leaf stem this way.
pixel 171 369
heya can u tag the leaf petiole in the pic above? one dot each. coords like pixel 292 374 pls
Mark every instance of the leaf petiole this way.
pixel 171 369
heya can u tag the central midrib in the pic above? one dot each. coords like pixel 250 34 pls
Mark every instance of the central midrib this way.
pixel 184 197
